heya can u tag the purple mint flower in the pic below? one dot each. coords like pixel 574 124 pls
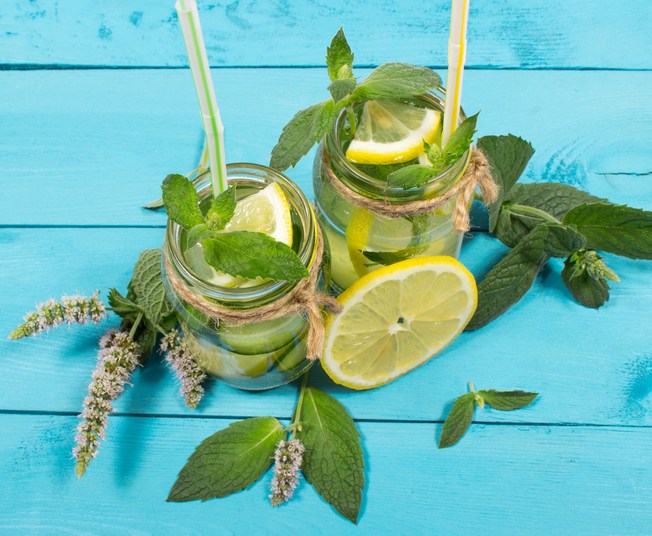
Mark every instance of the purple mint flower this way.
pixel 118 357
pixel 287 462
pixel 181 360
pixel 70 310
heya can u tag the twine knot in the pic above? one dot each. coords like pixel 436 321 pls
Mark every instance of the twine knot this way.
pixel 304 297
pixel 477 174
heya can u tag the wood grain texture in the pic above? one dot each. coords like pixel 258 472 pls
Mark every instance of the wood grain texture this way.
pixel 505 33
pixel 589 365
pixel 499 480
pixel 87 147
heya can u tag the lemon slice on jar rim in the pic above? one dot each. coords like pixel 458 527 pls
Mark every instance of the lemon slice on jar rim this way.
pixel 392 132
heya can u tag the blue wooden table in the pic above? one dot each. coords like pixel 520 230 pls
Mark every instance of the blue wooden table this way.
pixel 96 107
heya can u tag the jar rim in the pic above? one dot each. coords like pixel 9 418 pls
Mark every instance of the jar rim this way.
pixel 333 144
pixel 238 173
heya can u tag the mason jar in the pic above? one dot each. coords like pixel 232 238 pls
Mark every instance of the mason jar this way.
pixel 361 240
pixel 260 354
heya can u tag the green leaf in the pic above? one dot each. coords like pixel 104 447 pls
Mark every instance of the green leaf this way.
pixel 333 461
pixel 617 229
pixel 410 176
pixel 455 147
pixel 507 400
pixel 228 461
pixel 123 307
pixel 253 255
pixel 181 201
pixel 458 420
pixel 341 88
pixel 221 210
pixel 146 287
pixel 339 58
pixel 396 81
pixel 305 129
pixel 197 234
pixel 507 156
pixel 588 291
pixel 511 278
pixel 562 240
pixel 554 198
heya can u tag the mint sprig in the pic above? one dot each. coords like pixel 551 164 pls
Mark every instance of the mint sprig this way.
pixel 544 220
pixel 237 253
pixel 388 81
pixel 461 416
pixel 440 158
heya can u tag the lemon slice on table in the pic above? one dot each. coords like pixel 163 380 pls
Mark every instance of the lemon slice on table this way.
pixel 392 132
pixel 267 212
pixel 397 318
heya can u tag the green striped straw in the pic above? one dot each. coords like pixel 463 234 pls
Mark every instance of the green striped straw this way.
pixel 201 74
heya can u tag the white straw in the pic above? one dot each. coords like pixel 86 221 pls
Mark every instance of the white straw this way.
pixel 210 114
pixel 456 59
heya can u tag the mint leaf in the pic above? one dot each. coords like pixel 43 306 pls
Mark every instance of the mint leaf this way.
pixel 341 88
pixel 455 147
pixel 562 240
pixel 305 129
pixel 507 156
pixel 507 400
pixel 146 288
pixel 458 420
pixel 197 234
pixel 221 210
pixel 181 201
pixel 251 255
pixel 396 81
pixel 123 307
pixel 410 176
pixel 552 197
pixel 339 58
pixel 228 461
pixel 617 229
pixel 511 278
pixel 333 461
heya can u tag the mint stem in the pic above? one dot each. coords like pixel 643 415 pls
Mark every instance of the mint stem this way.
pixel 297 412
pixel 352 121
pixel 135 326
pixel 472 387
pixel 533 213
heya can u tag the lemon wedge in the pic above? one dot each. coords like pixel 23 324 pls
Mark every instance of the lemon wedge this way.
pixel 397 318
pixel 267 212
pixel 392 132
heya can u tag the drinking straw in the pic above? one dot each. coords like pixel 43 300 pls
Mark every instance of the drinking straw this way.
pixel 456 59
pixel 201 74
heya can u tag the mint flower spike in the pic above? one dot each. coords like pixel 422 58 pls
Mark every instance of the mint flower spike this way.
pixel 69 310
pixel 118 357
pixel 287 462
pixel 189 373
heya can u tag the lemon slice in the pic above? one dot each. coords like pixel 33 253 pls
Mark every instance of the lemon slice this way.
pixel 391 132
pixel 267 212
pixel 397 318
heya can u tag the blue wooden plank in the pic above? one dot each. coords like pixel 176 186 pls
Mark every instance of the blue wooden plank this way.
pixel 109 137
pixel 498 480
pixel 589 365
pixel 511 33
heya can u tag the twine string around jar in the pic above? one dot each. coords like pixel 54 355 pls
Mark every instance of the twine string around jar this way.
pixel 304 297
pixel 477 173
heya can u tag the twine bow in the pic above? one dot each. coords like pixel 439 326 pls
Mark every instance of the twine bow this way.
pixel 304 297
pixel 477 173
